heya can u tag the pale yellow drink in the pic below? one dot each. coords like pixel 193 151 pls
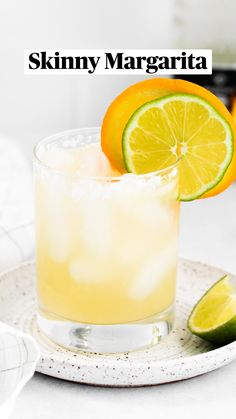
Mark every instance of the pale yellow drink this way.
pixel 106 247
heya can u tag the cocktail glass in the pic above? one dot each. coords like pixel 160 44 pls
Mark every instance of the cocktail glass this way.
pixel 106 249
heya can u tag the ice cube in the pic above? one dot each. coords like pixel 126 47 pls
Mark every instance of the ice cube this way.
pixel 96 230
pixel 58 240
pixel 168 190
pixel 56 219
pixel 91 161
pixel 147 213
pixel 60 159
pixel 85 270
pixel 154 270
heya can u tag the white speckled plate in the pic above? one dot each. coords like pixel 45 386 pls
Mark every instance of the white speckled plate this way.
pixel 180 356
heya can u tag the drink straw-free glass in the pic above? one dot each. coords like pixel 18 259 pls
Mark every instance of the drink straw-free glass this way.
pixel 106 250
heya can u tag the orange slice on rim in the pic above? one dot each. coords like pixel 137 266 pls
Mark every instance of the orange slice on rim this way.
pixel 124 106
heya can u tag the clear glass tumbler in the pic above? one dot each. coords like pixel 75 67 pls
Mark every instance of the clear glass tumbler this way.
pixel 106 252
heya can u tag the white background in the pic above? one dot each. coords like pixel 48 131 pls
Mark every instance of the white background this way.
pixel 33 107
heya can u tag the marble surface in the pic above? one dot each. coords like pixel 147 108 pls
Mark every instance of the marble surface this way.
pixel 208 234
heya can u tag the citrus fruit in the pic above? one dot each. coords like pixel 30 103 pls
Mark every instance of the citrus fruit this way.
pixel 179 126
pixel 123 107
pixel 214 316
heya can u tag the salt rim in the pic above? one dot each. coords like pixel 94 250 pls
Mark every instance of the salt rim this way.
pixel 91 188
pixel 95 131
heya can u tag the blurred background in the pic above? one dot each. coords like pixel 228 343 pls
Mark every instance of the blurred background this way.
pixel 32 107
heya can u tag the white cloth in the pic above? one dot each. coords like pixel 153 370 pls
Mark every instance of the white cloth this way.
pixel 18 352
pixel 18 357
pixel 16 208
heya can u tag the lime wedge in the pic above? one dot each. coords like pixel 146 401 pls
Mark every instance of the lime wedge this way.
pixel 214 316
pixel 180 125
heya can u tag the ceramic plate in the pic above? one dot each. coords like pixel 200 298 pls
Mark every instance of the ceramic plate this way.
pixel 180 356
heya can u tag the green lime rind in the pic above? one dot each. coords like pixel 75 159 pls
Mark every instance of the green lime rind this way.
pixel 219 335
pixel 161 101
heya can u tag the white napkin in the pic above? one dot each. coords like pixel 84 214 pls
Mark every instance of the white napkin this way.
pixel 18 357
pixel 16 207
pixel 18 352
